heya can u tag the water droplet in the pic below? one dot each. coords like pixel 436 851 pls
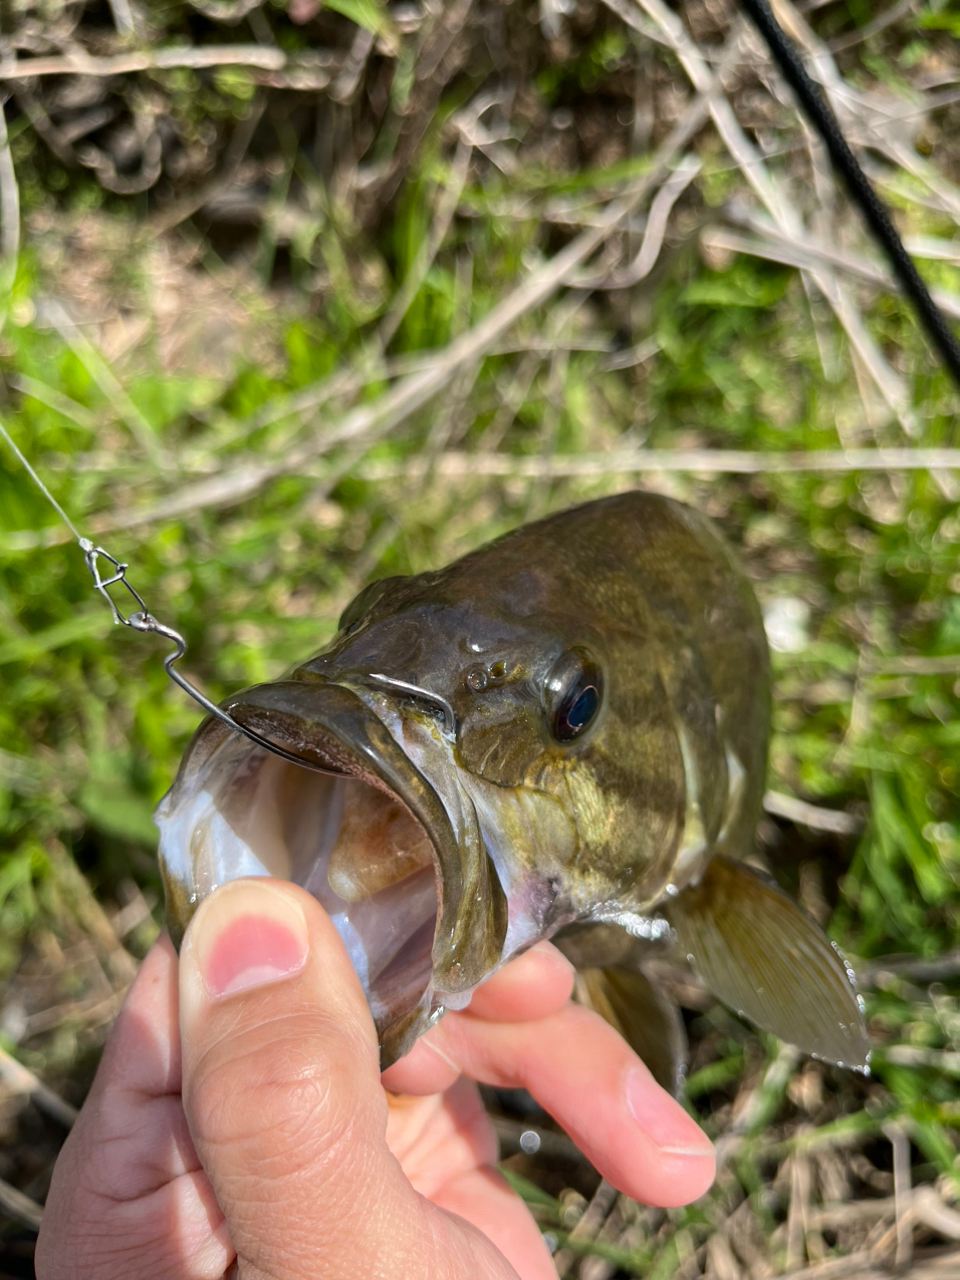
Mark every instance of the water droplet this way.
pixel 530 1142
pixel 476 679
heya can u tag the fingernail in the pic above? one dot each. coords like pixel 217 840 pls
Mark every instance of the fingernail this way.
pixel 247 935
pixel 662 1119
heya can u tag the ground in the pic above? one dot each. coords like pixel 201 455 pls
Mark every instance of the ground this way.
pixel 296 296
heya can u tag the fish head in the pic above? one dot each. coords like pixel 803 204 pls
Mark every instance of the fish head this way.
pixel 490 752
pixel 533 713
pixel 463 791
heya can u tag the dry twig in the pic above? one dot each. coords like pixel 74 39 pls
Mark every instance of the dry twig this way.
pixel 80 63
pixel 9 196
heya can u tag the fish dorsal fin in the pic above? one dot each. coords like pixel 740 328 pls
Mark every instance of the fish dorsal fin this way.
pixel 647 1020
pixel 758 952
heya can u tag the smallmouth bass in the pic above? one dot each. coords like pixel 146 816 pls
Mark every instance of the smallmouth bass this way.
pixel 563 733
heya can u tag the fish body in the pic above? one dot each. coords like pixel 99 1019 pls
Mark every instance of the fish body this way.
pixel 567 727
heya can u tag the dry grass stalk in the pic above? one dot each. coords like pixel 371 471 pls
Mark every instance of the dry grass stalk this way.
pixel 121 967
pixel 415 390
pixel 587 1226
pixel 19 1079
pixel 89 1013
pixel 9 196
pixel 233 156
pixel 807 254
pixel 457 466
pixel 430 246
pixel 142 431
pixel 751 1103
pixel 868 118
pixel 901 1194
pixel 779 205
pixel 885 19
pixel 813 816
pixel 721 1263
pixel 799 1209
pixel 653 233
pixel 736 1249
pixel 80 63
pixel 936 1266
pixel 19 1206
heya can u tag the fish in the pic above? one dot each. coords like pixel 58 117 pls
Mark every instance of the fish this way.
pixel 560 735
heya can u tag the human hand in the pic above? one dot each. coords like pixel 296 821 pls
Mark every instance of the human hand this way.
pixel 268 1144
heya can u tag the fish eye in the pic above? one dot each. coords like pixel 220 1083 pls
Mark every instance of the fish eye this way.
pixel 574 690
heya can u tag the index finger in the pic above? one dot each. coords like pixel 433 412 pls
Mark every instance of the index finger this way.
pixel 587 1077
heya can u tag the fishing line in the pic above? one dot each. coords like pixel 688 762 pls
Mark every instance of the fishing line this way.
pixel 141 619
pixel 821 116
pixel 42 487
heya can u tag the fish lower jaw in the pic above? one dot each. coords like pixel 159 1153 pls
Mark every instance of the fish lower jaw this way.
pixel 356 848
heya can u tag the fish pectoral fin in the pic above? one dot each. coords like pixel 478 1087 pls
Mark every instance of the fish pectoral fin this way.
pixel 759 953
pixel 648 1021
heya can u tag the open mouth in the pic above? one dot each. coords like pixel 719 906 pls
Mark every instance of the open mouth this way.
pixel 368 837
pixel 355 847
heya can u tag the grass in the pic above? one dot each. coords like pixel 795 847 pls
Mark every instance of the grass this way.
pixel 195 355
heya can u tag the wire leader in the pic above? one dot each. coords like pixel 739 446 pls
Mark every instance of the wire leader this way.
pixel 140 618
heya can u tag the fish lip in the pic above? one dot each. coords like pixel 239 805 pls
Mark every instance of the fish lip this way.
pixel 327 726
pixel 333 728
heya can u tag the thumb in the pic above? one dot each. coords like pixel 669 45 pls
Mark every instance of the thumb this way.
pixel 281 1087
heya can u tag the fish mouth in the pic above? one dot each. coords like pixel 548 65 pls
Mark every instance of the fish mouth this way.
pixel 410 888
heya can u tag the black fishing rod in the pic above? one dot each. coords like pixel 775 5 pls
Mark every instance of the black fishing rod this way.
pixel 820 114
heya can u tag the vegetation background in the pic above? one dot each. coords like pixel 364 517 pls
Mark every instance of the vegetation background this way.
pixel 294 295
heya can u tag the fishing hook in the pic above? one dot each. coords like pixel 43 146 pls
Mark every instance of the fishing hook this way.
pixel 415 691
pixel 143 620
